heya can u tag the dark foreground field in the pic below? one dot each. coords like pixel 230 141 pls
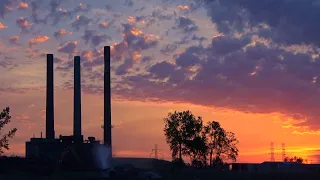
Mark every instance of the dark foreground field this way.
pixel 204 175
pixel 200 175
pixel 20 169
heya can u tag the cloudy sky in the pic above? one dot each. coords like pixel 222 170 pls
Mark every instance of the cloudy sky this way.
pixel 251 65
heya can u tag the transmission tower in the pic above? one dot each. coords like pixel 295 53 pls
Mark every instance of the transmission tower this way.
pixel 283 152
pixel 272 152
pixel 156 152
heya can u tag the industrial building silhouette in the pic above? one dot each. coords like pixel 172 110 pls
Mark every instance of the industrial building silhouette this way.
pixel 72 151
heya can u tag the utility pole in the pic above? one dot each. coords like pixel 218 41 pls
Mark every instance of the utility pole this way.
pixel 155 152
pixel 283 152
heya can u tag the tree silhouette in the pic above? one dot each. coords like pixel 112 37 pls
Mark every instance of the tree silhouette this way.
pixel 180 129
pixel 186 135
pixel 295 159
pixel 221 144
pixel 5 119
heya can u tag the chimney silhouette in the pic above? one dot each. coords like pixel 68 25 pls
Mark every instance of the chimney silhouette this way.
pixel 77 100
pixel 107 99
pixel 50 99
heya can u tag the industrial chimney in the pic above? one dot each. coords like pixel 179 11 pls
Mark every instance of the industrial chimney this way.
pixel 107 99
pixel 50 99
pixel 77 101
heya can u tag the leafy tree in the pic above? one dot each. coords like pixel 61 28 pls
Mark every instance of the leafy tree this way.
pixel 5 119
pixel 198 150
pixel 295 159
pixel 221 144
pixel 180 129
pixel 186 135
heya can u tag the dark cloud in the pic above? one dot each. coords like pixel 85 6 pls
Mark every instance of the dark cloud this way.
pixel 4 63
pixel 222 45
pixel 81 21
pixel 288 22
pixel 57 15
pixel 103 25
pixel 187 24
pixel 35 12
pixel 54 4
pixel 108 7
pixel 187 59
pixel 82 8
pixel 137 40
pixel 68 48
pixel 162 70
pixel 237 74
pixel 200 39
pixel 140 9
pixel 14 40
pixel 65 67
pixel 93 38
pixel 128 3
pixel 61 33
pixel 184 40
pixel 168 49
pixel 4 7
pixel 146 59
pixel 92 58
pixel 56 60
pixel 123 68
pixel 161 15
pixel 23 24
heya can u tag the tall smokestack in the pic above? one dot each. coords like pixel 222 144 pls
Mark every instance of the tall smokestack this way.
pixel 107 99
pixel 77 100
pixel 50 99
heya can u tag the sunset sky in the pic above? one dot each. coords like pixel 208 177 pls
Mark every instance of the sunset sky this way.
pixel 251 66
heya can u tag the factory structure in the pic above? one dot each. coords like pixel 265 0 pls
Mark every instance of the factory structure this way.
pixel 73 150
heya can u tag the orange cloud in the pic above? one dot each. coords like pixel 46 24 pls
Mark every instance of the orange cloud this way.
pixel 306 132
pixel 131 19
pixel 31 52
pixel 119 49
pixel 151 37
pixel 38 40
pixel 9 9
pixel 136 31
pixel 62 32
pixel 23 117
pixel 181 7
pixel 3 26
pixel 103 25
pixel 23 5
pixel 69 47
pixel 87 54
pixel 23 23
pixel 14 39
pixel 136 55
